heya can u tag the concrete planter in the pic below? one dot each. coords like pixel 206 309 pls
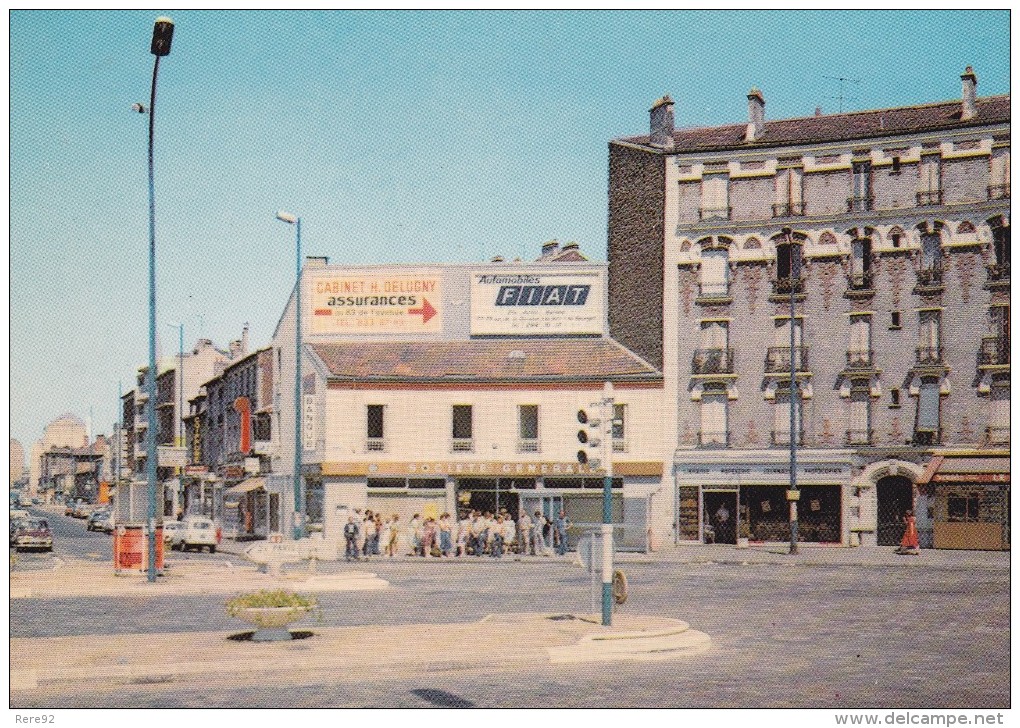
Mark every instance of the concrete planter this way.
pixel 271 621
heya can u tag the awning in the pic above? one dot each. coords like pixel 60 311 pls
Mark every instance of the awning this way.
pixel 946 469
pixel 246 486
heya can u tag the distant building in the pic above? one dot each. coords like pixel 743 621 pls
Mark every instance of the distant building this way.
pixel 17 461
pixel 890 231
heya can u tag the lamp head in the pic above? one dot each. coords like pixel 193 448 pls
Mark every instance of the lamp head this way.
pixel 162 36
pixel 286 217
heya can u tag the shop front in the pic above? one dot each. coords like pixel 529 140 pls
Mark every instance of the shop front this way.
pixel 971 501
pixel 720 500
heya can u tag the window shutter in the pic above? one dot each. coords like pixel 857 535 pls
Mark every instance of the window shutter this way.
pixel 714 271
pixel 928 406
pixel 860 334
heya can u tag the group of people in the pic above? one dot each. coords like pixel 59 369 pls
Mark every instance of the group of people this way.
pixel 474 533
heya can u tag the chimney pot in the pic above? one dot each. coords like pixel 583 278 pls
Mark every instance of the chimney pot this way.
pixel 550 247
pixel 661 123
pixel 969 79
pixel 755 114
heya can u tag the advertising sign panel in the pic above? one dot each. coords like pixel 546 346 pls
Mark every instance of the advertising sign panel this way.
pixel 376 304
pixel 529 303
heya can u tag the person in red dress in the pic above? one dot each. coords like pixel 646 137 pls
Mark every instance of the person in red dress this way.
pixel 909 544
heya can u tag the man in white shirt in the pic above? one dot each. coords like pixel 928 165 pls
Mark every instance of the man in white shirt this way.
pixel 524 533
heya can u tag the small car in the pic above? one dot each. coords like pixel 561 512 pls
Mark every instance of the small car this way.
pixel 197 533
pixel 170 528
pixel 82 509
pixel 105 524
pixel 95 519
pixel 33 533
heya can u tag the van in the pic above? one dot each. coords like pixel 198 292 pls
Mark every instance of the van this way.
pixel 195 532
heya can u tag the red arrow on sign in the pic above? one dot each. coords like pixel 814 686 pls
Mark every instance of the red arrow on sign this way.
pixel 426 311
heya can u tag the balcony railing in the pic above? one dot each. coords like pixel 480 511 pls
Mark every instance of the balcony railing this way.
pixel 929 198
pixel 858 437
pixel 375 444
pixel 619 444
pixel 782 437
pixel 527 444
pixel 859 281
pixel 713 438
pixel 788 209
pixel 998 272
pixel 998 435
pixel 927 437
pixel 463 444
pixel 712 361
pixel 930 354
pixel 709 213
pixel 786 286
pixel 930 277
pixel 994 351
pixel 777 359
pixel 860 204
pixel 860 359
pixel 998 192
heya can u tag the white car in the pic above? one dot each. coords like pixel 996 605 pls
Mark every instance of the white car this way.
pixel 195 532
pixel 170 528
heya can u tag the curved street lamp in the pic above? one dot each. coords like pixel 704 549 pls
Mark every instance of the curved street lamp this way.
pixel 299 522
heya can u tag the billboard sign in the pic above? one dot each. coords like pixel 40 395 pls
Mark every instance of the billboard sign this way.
pixel 376 304
pixel 529 303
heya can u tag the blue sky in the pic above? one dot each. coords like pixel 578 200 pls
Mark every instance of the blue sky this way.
pixel 396 136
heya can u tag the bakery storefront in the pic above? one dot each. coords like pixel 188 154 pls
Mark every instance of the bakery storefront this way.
pixel 719 501
pixel 971 500
pixel 430 489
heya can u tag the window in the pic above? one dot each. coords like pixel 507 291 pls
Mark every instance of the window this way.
pixel 929 349
pixel 463 430
pixel 713 356
pixel 1000 243
pixel 998 413
pixel 789 193
pixel 962 507
pixel 860 272
pixel 781 423
pixel 375 431
pixel 527 415
pixel 788 260
pixel 715 196
pixel 859 420
pixel 715 272
pixel 619 428
pixel 862 198
pixel 895 165
pixel 713 416
pixel 931 251
pixel 894 320
pixel 998 175
pixel 929 190
pixel 315 493
pixel 894 398
pixel 859 349
pixel 778 356
pixel 927 426
pixel 895 238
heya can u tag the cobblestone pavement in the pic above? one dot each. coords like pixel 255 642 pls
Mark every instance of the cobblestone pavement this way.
pixel 904 633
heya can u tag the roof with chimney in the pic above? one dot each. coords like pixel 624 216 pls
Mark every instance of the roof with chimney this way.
pixel 491 360
pixel 838 127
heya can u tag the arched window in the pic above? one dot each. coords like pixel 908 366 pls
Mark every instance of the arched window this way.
pixel 789 265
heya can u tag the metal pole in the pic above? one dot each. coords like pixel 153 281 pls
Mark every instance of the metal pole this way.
pixel 793 406
pixel 607 506
pixel 299 526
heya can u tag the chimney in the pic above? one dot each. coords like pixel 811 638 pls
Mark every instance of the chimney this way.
pixel 244 339
pixel 550 247
pixel 497 259
pixel 660 132
pixel 969 79
pixel 755 114
pixel 235 349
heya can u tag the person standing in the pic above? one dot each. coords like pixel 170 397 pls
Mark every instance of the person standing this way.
pixel 378 533
pixel 537 533
pixel 445 535
pixel 391 543
pixel 415 527
pixel 509 532
pixel 463 534
pixel 523 533
pixel 496 538
pixel 351 537
pixel 367 534
pixel 909 544
pixel 428 537
pixel 561 524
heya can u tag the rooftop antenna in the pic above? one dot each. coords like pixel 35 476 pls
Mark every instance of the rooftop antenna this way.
pixel 841 97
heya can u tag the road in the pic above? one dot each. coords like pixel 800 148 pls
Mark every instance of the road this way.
pixel 787 636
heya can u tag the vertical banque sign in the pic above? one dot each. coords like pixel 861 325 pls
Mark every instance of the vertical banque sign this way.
pixel 376 304
pixel 528 303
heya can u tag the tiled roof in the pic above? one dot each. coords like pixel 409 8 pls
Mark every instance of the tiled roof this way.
pixel 838 127
pixel 484 360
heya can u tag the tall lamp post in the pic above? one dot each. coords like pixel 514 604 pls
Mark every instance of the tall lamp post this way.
pixel 793 495
pixel 299 523
pixel 608 412
pixel 162 36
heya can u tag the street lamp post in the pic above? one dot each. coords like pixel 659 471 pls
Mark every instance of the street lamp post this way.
pixel 299 525
pixel 162 36
pixel 608 408
pixel 793 494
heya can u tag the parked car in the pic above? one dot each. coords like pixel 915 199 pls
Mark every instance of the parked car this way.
pixel 195 532
pixel 92 523
pixel 15 523
pixel 19 513
pixel 82 509
pixel 69 507
pixel 170 528
pixel 105 524
pixel 33 533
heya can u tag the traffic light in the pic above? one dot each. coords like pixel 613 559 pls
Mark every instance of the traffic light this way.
pixel 591 440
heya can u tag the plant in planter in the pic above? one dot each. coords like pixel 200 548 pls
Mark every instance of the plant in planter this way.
pixel 271 612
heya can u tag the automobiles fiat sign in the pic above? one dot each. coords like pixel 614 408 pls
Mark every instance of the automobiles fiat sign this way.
pixel 527 303
pixel 372 304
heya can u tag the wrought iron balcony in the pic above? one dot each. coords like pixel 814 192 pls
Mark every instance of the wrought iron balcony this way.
pixel 788 209
pixel 994 351
pixel 715 438
pixel 858 437
pixel 860 359
pixel 929 355
pixel 930 277
pixel 786 286
pixel 997 435
pixel 709 213
pixel 929 198
pixel 998 192
pixel 463 444
pixel 998 272
pixel 712 361
pixel 527 445
pixel 859 281
pixel 860 204
pixel 777 359
pixel 927 437
pixel 375 444
pixel 782 437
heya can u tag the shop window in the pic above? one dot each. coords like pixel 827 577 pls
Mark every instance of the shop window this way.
pixel 375 432
pixel 463 428
pixel 963 507
pixel 387 483
pixel 433 483
pixel 527 417
pixel 262 427
pixel 315 493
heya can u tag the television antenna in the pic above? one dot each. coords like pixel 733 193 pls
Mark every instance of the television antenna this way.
pixel 841 97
